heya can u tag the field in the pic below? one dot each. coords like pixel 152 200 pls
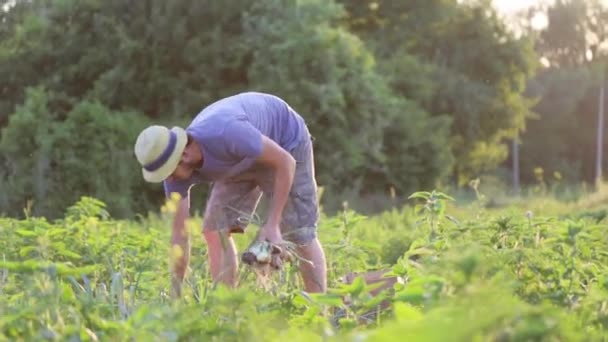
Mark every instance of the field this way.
pixel 535 270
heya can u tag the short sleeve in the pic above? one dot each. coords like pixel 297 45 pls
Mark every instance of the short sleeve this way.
pixel 243 140
pixel 180 187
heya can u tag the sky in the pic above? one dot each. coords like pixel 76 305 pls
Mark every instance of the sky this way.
pixel 511 6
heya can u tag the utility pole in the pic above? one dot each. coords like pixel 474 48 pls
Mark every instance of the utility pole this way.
pixel 600 134
pixel 516 164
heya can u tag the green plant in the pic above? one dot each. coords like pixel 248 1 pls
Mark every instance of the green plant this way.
pixel 507 277
pixel 432 210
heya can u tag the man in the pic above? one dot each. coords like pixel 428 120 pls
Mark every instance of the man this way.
pixel 246 145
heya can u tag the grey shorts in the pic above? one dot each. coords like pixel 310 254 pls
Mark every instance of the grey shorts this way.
pixel 232 204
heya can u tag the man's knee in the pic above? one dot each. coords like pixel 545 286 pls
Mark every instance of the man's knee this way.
pixel 225 222
pixel 301 237
pixel 215 236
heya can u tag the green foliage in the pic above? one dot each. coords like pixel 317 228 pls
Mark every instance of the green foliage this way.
pixel 322 71
pixel 562 137
pixel 575 32
pixel 329 76
pixel 127 55
pixel 49 164
pixel 433 209
pixel 432 90
pixel 454 59
pixel 167 60
pixel 499 276
pixel 563 126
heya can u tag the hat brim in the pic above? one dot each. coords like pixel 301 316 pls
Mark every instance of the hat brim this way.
pixel 167 169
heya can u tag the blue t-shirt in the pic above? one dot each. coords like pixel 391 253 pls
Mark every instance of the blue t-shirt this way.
pixel 230 131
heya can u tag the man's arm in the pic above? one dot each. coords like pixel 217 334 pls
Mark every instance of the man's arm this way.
pixel 180 247
pixel 284 166
pixel 243 140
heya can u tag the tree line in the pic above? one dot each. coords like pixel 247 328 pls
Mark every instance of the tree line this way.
pixel 399 95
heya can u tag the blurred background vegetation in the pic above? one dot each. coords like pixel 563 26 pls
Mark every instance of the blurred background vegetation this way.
pixel 400 95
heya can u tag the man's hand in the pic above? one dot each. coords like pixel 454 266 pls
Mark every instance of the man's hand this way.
pixel 271 233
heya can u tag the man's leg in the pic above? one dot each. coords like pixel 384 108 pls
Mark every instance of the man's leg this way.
pixel 314 276
pixel 300 218
pixel 228 211
pixel 222 256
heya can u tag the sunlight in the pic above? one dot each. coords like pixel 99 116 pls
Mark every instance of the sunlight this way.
pixel 545 62
pixel 512 6
pixel 8 5
pixel 539 21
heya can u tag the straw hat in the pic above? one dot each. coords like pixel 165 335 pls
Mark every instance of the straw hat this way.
pixel 159 149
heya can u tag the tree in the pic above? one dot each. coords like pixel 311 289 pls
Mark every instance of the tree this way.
pixel 152 56
pixel 476 68
pixel 329 76
pixel 575 32
pixel 97 61
pixel 565 138
pixel 53 163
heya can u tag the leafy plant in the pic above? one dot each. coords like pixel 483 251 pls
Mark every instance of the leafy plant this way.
pixel 432 210
pixel 507 277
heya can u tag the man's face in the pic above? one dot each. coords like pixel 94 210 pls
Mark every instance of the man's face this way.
pixel 191 159
pixel 183 171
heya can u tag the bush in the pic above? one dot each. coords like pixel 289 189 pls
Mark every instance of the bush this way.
pixel 49 163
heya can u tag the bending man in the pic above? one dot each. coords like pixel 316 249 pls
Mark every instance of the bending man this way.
pixel 245 145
